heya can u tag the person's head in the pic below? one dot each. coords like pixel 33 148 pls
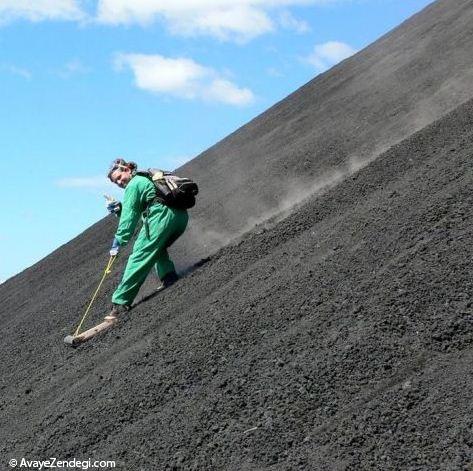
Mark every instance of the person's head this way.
pixel 121 172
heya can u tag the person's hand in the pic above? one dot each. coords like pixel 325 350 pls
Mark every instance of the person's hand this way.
pixel 115 248
pixel 113 206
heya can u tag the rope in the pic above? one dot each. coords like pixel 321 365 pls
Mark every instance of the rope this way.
pixel 108 269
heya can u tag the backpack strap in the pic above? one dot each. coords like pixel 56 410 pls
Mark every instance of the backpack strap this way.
pixel 157 199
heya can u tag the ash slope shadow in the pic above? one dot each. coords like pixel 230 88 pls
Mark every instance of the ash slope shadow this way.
pixel 149 295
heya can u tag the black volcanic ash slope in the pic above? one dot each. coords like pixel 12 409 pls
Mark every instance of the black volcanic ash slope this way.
pixel 350 114
pixel 339 338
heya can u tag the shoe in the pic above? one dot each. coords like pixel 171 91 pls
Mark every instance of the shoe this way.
pixel 118 309
pixel 168 280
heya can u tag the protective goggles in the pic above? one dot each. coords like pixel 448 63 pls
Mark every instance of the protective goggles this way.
pixel 116 165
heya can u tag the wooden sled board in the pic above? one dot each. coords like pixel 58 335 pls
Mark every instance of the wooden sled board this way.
pixel 75 340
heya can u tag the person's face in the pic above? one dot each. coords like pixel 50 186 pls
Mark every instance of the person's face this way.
pixel 121 177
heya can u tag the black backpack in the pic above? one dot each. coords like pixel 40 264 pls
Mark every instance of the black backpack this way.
pixel 171 190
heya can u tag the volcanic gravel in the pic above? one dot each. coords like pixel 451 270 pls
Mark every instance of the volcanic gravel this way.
pixel 338 121
pixel 337 336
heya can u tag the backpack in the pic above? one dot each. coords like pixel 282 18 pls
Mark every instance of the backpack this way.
pixel 171 190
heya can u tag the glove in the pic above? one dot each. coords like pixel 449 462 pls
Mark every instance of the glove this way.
pixel 115 248
pixel 113 206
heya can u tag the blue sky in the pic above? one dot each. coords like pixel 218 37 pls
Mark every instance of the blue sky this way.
pixel 154 81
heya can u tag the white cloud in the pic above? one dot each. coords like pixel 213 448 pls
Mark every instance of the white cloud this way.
pixel 239 20
pixel 183 78
pixel 236 20
pixel 273 72
pixel 73 67
pixel 290 22
pixel 14 70
pixel 39 10
pixel 224 91
pixel 240 23
pixel 155 73
pixel 328 54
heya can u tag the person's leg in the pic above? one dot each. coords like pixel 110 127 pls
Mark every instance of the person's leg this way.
pixel 175 227
pixel 164 264
pixel 164 230
pixel 139 264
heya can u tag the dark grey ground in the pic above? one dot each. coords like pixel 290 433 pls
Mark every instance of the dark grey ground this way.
pixel 334 124
pixel 337 338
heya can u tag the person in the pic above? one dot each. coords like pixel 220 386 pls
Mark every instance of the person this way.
pixel 162 225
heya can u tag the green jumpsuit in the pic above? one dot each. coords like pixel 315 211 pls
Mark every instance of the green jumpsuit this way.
pixel 165 226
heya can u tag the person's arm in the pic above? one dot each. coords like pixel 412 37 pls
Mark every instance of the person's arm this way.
pixel 115 248
pixel 130 213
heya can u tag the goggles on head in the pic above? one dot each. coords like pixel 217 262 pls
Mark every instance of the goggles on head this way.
pixel 116 165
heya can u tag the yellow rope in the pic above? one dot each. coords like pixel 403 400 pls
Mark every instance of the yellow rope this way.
pixel 108 269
